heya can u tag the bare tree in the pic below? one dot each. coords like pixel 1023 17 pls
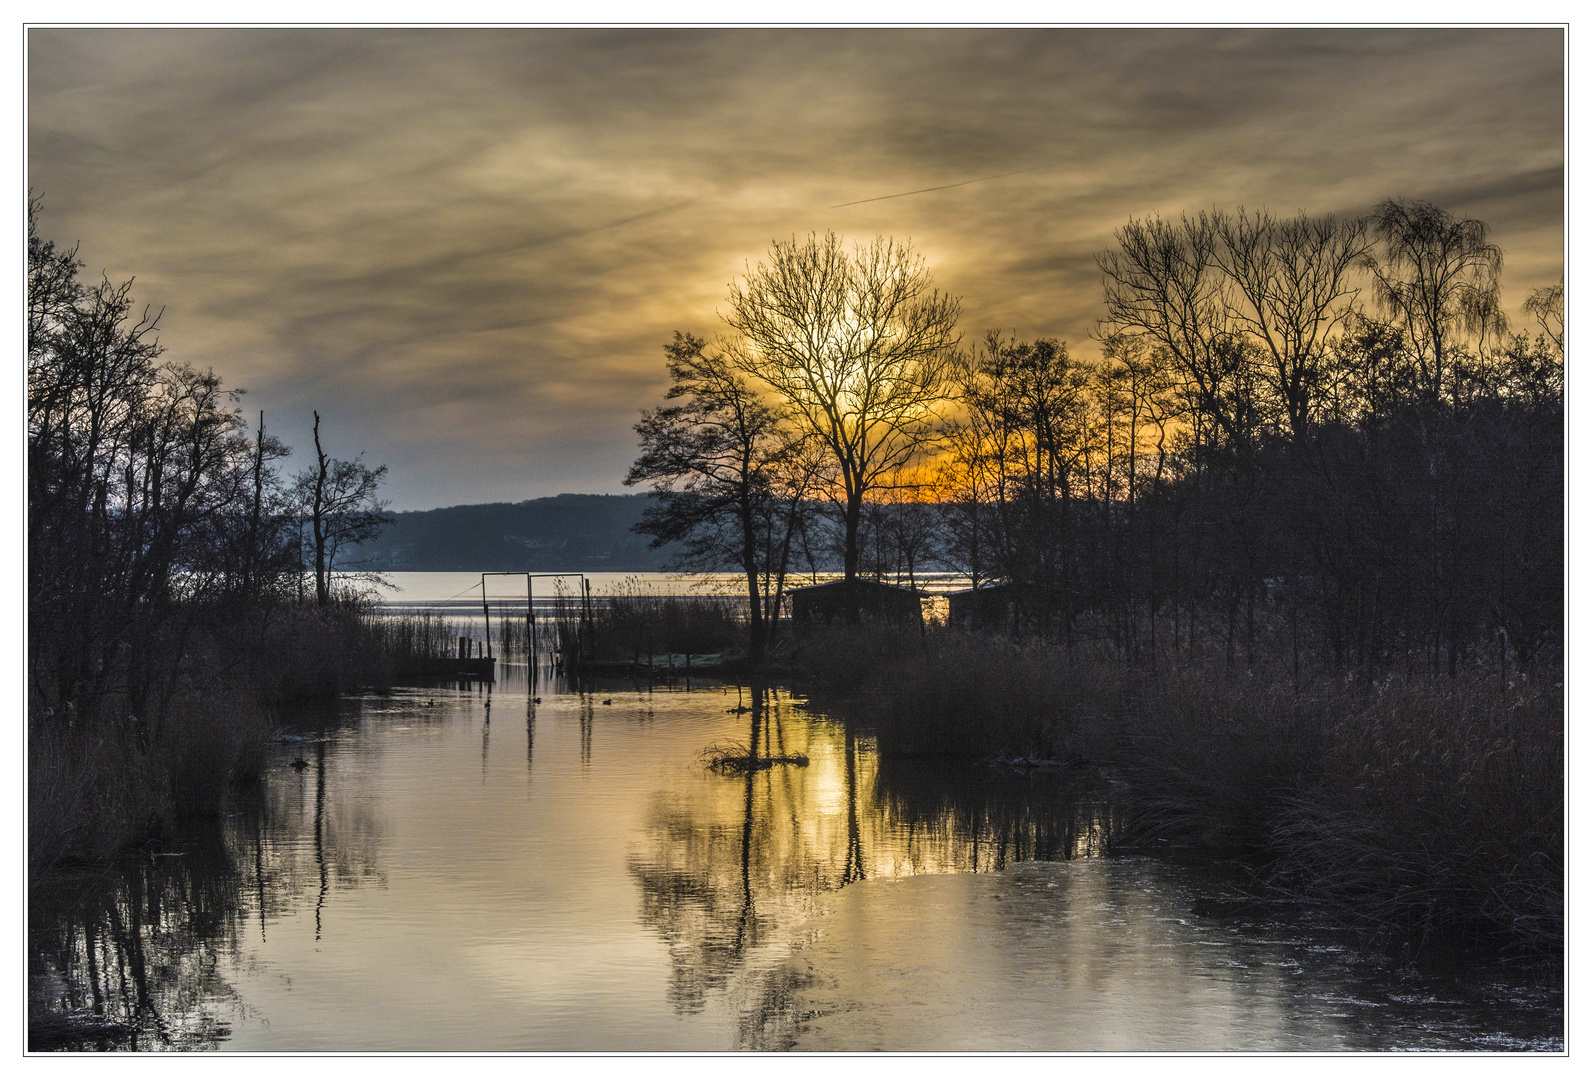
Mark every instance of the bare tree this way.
pixel 857 345
pixel 139 499
pixel 1437 276
pixel 1547 306
pixel 1244 303
pixel 1165 280
pixel 339 502
pixel 1292 285
pixel 725 446
pixel 1153 399
pixel 1026 436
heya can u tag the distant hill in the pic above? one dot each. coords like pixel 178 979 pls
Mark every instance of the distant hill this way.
pixel 565 532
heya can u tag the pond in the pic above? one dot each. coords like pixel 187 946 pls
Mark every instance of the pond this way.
pixel 558 869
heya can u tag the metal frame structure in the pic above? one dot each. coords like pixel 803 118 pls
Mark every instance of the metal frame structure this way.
pixel 530 607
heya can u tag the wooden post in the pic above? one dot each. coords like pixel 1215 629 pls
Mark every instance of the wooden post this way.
pixel 591 635
pixel 530 624
pixel 487 615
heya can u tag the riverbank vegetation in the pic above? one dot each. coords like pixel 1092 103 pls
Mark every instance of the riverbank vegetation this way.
pixel 1286 559
pixel 1431 806
pixel 1321 422
pixel 178 582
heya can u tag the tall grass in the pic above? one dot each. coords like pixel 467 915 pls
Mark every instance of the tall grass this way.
pixel 95 787
pixel 964 696
pixel 421 636
pixel 631 623
pixel 846 657
pixel 304 651
pixel 1428 806
pixel 104 778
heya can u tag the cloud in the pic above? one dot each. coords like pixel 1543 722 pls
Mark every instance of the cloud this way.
pixel 469 246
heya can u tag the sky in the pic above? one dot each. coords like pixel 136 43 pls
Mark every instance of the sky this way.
pixel 467 248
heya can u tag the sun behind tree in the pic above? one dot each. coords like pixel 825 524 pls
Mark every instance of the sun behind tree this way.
pixel 858 344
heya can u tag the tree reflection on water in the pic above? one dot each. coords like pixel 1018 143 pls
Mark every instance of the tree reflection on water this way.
pixel 128 957
pixel 735 866
pixel 131 965
pixel 730 869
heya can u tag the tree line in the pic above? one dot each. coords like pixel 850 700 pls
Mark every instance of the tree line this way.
pixel 1310 435
pixel 162 529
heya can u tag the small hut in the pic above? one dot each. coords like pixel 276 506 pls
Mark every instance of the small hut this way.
pixel 1003 606
pixel 875 600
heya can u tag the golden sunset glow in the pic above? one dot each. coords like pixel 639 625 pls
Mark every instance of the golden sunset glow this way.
pixel 467 248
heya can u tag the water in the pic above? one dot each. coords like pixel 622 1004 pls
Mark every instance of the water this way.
pixel 459 592
pixel 455 870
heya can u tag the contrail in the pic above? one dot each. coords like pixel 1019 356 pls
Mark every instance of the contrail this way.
pixel 942 187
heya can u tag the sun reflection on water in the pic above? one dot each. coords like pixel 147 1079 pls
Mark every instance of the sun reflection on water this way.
pixel 554 868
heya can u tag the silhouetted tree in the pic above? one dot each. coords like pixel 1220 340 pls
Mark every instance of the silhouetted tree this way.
pixel 149 510
pixel 857 346
pixel 729 451
pixel 1281 466
pixel 1547 306
pixel 1028 433
pixel 1165 281
pixel 1291 287
pixel 1437 277
pixel 340 505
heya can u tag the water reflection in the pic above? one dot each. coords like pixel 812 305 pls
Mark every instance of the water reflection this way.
pixel 1105 955
pixel 128 960
pixel 1000 816
pixel 735 866
pixel 133 957
pixel 419 886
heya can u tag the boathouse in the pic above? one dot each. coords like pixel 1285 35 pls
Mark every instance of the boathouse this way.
pixel 1002 606
pixel 875 600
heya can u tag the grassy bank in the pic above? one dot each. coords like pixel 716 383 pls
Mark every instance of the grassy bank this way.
pixel 1428 807
pixel 94 788
pixel 102 777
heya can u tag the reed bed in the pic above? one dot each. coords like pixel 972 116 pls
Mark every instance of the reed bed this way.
pixel 845 657
pixel 634 624
pixel 425 635
pixel 1429 807
pixel 962 696
pixel 104 777
pixel 96 786
pixel 304 651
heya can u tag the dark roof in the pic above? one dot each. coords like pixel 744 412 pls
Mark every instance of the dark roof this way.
pixel 862 583
pixel 1008 586
pixel 982 590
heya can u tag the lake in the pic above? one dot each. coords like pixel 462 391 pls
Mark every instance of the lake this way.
pixel 458 594
pixel 465 867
